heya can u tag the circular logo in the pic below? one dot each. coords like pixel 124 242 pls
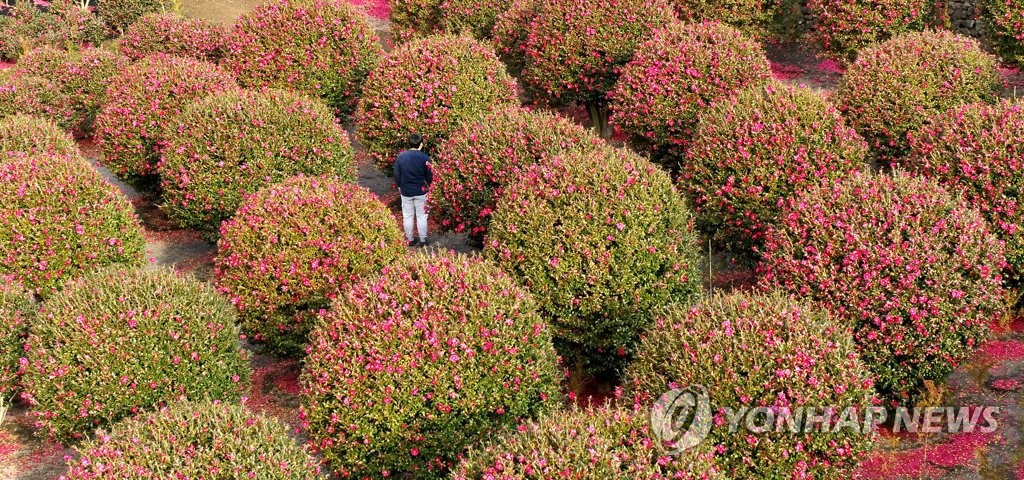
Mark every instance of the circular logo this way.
pixel 681 418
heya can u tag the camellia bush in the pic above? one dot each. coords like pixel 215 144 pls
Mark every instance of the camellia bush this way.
pixel 118 342
pixel 83 76
pixel 409 369
pixel 677 73
pixel 22 135
pixel 229 144
pixel 64 26
pixel 574 52
pixel 844 27
pixel 173 34
pixel 10 48
pixel 417 18
pixel 1005 21
pixel 34 95
pixel 509 33
pixel 325 48
pixel 201 438
pixel 976 149
pixel 17 309
pixel 141 103
pixel 755 18
pixel 476 164
pixel 804 362
pixel 910 267
pixel 293 247
pixel 602 239
pixel 429 86
pixel 894 86
pixel 59 219
pixel 753 151
pixel 597 442
pixel 120 14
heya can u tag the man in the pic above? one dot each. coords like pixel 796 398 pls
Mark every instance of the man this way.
pixel 413 177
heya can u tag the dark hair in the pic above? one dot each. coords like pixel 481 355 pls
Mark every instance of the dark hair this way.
pixel 415 140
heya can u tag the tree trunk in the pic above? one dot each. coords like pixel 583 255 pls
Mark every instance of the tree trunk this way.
pixel 599 119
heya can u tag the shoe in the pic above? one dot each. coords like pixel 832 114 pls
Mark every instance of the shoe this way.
pixel 424 242
pixel 413 243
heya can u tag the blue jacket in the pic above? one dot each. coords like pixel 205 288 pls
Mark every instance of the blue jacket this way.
pixel 412 173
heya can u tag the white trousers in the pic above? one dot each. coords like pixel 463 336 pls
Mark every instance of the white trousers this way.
pixel 415 207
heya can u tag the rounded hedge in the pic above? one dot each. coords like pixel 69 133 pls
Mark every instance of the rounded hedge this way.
pixel 592 443
pixel 910 267
pixel 1005 21
pixel 141 103
pixel 476 164
pixel 844 27
pixel 229 144
pixel 894 86
pixel 976 149
pixel 174 34
pixel 409 369
pixel 509 34
pixel 295 246
pixel 62 25
pixel 752 151
pixel 83 76
pixel 323 47
pixel 120 14
pixel 22 135
pixel 34 95
pixel 195 440
pixel 676 74
pixel 84 27
pixel 17 309
pixel 601 238
pixel 416 18
pixel 10 48
pixel 429 86
pixel 60 218
pixel 118 342
pixel 766 351
pixel 560 63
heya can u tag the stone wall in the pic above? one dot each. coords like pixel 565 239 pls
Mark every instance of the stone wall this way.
pixel 963 18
